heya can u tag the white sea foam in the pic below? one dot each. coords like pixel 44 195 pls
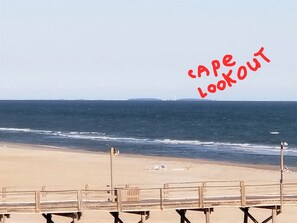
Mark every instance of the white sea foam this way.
pixel 26 130
pixel 185 144
pixel 274 133
pixel 15 130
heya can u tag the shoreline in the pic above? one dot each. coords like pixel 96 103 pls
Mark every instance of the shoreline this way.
pixel 35 167
pixel 128 155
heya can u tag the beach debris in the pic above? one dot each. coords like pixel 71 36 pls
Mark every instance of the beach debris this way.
pixel 163 167
pixel 286 169
pixel 158 167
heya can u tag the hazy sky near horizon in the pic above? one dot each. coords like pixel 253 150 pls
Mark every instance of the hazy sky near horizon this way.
pixel 97 49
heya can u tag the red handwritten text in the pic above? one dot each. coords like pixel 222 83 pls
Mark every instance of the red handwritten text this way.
pixel 227 78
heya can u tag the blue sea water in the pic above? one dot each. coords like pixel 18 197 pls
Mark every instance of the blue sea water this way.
pixel 241 132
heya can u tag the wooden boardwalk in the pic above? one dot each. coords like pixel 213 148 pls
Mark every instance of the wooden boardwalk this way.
pixel 201 196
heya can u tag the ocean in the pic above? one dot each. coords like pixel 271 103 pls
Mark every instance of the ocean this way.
pixel 237 132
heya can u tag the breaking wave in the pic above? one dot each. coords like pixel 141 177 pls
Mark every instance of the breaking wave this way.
pixel 192 144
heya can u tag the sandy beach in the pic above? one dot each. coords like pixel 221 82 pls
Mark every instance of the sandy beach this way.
pixel 31 166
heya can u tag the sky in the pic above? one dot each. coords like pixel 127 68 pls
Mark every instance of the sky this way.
pixel 116 50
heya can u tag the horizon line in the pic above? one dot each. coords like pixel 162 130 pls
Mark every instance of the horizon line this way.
pixel 151 99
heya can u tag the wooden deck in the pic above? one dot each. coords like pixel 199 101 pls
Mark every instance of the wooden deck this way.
pixel 190 196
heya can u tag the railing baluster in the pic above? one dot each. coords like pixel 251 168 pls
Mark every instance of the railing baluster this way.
pixel 4 194
pixel 201 196
pixel 161 198
pixel 43 189
pixel 243 195
pixel 37 201
pixel 79 200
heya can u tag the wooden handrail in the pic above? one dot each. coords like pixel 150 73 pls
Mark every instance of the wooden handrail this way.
pixel 148 198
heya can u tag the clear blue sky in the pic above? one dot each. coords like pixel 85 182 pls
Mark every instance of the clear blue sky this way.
pixel 93 49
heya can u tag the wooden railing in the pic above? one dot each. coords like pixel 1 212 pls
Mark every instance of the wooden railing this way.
pixel 178 196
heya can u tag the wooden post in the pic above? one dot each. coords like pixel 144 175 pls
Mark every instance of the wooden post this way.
pixel 282 174
pixel 79 200
pixel 142 219
pixel 4 194
pixel 245 220
pixel 2 218
pixel 282 162
pixel 201 199
pixel 119 199
pixel 207 220
pixel 207 215
pixel 161 198
pixel 113 152
pixel 243 195
pixel 37 201
pixel 111 174
pixel 281 195
pixel 273 215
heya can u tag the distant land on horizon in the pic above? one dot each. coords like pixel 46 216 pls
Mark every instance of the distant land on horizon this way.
pixel 157 99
